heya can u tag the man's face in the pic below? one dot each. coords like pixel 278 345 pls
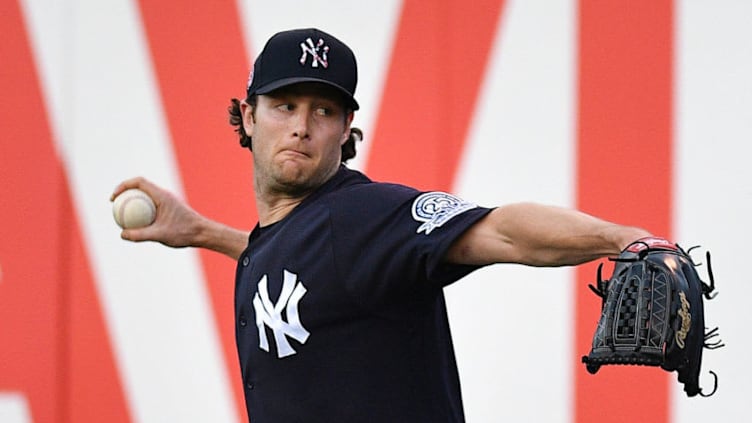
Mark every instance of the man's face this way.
pixel 297 133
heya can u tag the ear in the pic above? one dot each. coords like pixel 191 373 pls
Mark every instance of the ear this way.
pixel 248 120
pixel 348 122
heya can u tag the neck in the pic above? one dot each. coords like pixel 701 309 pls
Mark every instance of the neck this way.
pixel 273 210
pixel 274 204
pixel 275 201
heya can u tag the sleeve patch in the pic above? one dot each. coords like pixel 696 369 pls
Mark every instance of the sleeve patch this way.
pixel 436 208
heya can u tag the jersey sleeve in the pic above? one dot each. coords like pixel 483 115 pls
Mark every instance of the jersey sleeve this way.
pixel 391 239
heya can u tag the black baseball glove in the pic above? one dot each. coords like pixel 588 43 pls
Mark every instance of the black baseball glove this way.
pixel 652 313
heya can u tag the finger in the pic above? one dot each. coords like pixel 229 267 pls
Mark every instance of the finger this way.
pixel 130 235
pixel 137 234
pixel 136 182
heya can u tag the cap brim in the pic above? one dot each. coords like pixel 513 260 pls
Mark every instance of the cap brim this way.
pixel 266 89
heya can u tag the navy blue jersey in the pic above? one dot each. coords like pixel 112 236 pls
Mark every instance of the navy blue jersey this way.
pixel 340 314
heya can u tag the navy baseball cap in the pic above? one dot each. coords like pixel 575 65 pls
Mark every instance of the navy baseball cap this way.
pixel 305 55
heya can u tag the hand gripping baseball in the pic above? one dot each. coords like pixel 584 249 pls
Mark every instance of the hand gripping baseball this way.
pixel 175 224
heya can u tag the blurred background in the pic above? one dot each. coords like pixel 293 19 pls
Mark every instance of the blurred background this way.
pixel 636 111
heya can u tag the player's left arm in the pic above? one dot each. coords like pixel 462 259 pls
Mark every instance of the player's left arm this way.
pixel 539 235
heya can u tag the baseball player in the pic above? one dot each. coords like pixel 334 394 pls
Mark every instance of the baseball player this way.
pixel 339 305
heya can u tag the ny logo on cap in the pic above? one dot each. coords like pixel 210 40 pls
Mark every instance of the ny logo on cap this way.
pixel 317 51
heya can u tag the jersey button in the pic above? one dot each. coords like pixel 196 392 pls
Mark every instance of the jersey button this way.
pixel 246 260
pixel 249 386
pixel 242 320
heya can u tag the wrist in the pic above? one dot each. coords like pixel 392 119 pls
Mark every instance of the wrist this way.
pixel 627 236
pixel 201 233
pixel 215 236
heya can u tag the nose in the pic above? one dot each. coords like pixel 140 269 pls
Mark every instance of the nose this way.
pixel 301 124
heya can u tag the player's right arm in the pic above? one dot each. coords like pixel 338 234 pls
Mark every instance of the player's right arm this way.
pixel 177 225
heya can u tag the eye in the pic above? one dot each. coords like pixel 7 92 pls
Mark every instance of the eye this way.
pixel 285 107
pixel 323 111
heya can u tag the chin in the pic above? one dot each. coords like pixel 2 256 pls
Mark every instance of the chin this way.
pixel 295 170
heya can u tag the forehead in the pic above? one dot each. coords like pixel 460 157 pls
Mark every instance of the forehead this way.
pixel 310 89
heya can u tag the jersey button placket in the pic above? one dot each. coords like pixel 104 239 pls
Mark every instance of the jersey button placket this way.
pixel 241 319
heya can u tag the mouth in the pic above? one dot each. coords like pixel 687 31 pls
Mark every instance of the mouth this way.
pixel 294 153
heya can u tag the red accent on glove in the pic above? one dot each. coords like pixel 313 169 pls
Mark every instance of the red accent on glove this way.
pixel 652 243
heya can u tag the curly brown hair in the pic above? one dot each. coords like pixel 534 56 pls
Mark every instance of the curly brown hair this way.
pixel 236 120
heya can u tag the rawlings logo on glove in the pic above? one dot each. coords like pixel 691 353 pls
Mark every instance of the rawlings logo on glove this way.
pixel 686 319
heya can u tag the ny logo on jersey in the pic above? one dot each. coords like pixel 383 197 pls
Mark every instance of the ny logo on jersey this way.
pixel 270 314
pixel 317 51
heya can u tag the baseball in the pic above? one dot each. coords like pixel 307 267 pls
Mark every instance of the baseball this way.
pixel 134 208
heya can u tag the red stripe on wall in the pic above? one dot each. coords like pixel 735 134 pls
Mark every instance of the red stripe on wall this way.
pixel 55 348
pixel 624 174
pixel 29 240
pixel 201 62
pixel 438 62
pixel 94 393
